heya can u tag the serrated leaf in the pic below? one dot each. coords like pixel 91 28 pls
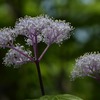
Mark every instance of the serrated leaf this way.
pixel 58 97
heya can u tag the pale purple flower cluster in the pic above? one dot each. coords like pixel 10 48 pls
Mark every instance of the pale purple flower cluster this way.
pixel 56 32
pixel 44 29
pixel 15 58
pixel 7 37
pixel 35 30
pixel 87 65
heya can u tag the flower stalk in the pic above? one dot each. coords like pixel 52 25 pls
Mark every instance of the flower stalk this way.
pixel 40 78
pixel 43 52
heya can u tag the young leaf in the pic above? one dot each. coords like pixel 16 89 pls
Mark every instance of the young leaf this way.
pixel 58 97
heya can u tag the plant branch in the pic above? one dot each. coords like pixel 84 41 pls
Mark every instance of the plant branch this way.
pixel 43 52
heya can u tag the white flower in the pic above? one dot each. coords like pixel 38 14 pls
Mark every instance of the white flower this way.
pixel 15 58
pixel 7 36
pixel 87 65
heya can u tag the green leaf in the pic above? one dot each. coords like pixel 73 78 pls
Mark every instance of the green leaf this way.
pixel 58 97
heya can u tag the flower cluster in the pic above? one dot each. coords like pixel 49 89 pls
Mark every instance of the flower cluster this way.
pixel 35 30
pixel 7 37
pixel 15 58
pixel 56 32
pixel 44 29
pixel 87 65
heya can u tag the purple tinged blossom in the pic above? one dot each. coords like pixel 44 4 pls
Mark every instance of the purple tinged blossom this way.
pixel 44 28
pixel 87 65
pixel 35 30
pixel 7 37
pixel 15 58
pixel 56 32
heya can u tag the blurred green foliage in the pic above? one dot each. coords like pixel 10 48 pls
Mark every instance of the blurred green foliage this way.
pixel 58 97
pixel 56 65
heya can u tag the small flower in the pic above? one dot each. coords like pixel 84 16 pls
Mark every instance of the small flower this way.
pixel 87 65
pixel 7 36
pixel 15 58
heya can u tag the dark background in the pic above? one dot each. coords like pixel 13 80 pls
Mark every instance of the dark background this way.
pixel 22 83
